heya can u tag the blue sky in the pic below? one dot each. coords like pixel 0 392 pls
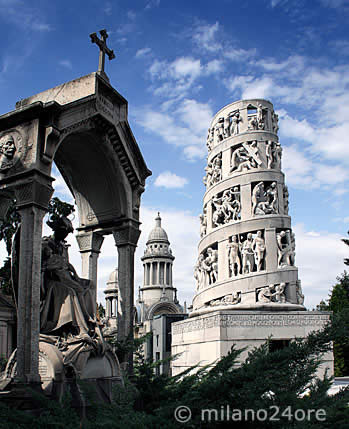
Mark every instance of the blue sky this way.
pixel 178 63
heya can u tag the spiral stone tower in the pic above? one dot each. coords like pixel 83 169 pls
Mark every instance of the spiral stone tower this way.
pixel 247 286
pixel 247 247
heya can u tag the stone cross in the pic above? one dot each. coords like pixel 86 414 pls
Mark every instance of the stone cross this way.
pixel 103 49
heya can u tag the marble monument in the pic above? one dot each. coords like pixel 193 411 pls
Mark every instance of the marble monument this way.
pixel 247 285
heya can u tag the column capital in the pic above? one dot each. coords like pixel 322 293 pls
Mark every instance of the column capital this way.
pixel 89 241
pixel 34 190
pixel 127 234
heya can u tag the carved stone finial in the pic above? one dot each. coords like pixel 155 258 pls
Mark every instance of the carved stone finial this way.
pixel 158 220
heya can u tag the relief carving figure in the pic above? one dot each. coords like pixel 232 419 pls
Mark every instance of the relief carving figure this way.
pixel 233 257
pixel 210 139
pixel 260 117
pixel 271 194
pixel 235 120
pixel 219 128
pixel 210 265
pixel 273 153
pixel 227 207
pixel 227 126
pixel 238 157
pixel 265 201
pixel 272 293
pixel 200 274
pixel 275 122
pixel 7 152
pixel 213 171
pixel 257 195
pixel 269 154
pixel 285 196
pixel 277 155
pixel 231 299
pixel 279 293
pixel 252 123
pixel 265 294
pixel 258 246
pixel 203 224
pixel 286 248
pixel 299 292
pixel 245 157
pixel 218 215
pixel 67 308
pixel 247 255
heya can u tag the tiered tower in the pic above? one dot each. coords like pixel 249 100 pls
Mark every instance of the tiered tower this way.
pixel 247 248
pixel 247 286
pixel 157 295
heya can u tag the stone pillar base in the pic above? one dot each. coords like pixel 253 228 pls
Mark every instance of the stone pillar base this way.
pixel 202 339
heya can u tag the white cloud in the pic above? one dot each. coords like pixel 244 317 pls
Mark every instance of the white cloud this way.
pixel 238 54
pixel 204 36
pixel 66 63
pixel 186 126
pixel 196 115
pixel 141 53
pixel 152 3
pixel 19 14
pixel 108 8
pixel 213 67
pixel 170 180
pixel 175 77
pixel 298 168
pixel 294 128
pixel 319 257
pixel 41 26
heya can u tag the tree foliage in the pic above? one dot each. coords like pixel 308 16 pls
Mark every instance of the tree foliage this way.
pixel 283 378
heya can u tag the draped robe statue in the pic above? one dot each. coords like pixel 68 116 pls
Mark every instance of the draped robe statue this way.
pixel 67 307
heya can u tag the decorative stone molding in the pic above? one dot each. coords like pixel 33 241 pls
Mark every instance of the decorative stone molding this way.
pixel 89 241
pixel 128 234
pixel 250 320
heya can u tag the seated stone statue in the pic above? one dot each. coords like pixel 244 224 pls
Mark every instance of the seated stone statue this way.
pixel 67 306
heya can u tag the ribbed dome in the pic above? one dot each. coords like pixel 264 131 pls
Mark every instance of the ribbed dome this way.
pixel 157 233
pixel 113 281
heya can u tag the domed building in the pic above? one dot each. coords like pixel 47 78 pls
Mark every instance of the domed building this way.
pixel 157 305
pixel 111 304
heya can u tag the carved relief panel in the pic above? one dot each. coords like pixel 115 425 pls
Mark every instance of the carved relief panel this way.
pixel 206 268
pixel 246 253
pixel 264 198
pixel 226 207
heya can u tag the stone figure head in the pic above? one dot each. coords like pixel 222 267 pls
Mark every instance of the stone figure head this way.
pixel 234 239
pixel 7 147
pixel 61 227
pixel 249 236
pixel 273 185
pixel 259 234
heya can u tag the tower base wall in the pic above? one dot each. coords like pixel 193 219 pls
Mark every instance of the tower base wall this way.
pixel 202 340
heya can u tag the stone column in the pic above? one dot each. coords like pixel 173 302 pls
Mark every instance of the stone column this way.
pixel 126 238
pixel 158 272
pixel 271 255
pixel 32 197
pixel 245 195
pixel 151 274
pixel 165 273
pixel 114 307
pixel 90 243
